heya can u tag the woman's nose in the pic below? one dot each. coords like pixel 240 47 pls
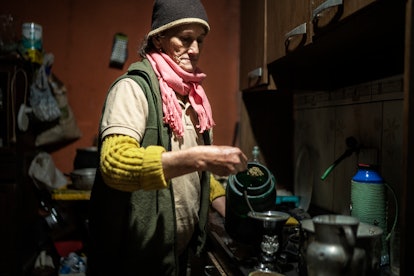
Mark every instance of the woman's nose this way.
pixel 194 47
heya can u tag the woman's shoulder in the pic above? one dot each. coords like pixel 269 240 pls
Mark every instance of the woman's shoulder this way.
pixel 141 65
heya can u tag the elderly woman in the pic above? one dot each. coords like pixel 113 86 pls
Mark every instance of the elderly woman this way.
pixel 154 184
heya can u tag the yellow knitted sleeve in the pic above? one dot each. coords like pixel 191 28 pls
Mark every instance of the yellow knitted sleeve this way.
pixel 216 189
pixel 128 167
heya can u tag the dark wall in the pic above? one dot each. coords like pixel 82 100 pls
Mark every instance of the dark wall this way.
pixel 79 34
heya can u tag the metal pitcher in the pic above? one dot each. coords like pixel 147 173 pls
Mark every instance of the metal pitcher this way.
pixel 333 251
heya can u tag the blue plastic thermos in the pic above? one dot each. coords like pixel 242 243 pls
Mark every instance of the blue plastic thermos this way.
pixel 368 202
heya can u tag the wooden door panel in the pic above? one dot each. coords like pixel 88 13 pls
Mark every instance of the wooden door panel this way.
pixel 288 27
pixel 252 46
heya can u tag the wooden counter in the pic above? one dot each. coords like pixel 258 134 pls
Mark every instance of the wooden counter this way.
pixel 70 194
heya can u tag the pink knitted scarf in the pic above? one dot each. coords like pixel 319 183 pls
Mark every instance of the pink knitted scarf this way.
pixel 173 79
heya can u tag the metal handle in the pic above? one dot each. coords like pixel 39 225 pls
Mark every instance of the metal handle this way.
pixel 396 211
pixel 246 197
pixel 325 5
pixel 299 30
pixel 350 245
pixel 256 73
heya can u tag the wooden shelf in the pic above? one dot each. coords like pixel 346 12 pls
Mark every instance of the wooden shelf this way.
pixel 365 46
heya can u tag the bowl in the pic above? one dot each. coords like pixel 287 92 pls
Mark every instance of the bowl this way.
pixel 82 179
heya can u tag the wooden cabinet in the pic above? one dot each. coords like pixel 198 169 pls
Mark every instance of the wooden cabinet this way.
pixel 289 27
pixel 268 32
pixel 330 12
pixel 253 71
pixel 352 42
pixel 290 37
pixel 18 204
pixel 369 40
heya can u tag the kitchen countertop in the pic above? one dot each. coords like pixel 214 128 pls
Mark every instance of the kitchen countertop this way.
pixel 231 257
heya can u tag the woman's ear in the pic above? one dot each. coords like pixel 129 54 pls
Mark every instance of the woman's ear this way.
pixel 156 40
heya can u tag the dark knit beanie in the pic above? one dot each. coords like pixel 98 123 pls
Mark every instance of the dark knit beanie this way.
pixel 170 13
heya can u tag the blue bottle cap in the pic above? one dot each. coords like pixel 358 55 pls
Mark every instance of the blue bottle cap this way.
pixel 367 173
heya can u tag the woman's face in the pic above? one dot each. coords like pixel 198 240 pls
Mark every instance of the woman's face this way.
pixel 183 44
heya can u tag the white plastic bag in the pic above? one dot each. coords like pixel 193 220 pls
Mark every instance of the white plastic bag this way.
pixel 44 173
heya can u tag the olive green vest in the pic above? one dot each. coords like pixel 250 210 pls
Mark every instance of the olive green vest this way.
pixel 134 233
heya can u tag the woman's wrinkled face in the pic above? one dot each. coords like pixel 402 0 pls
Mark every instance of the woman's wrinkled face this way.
pixel 183 44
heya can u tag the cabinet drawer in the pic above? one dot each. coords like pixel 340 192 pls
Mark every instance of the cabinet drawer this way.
pixel 252 43
pixel 289 27
pixel 326 13
pixel 270 29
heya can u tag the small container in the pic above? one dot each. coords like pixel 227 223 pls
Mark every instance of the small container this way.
pixel 32 41
pixel 83 179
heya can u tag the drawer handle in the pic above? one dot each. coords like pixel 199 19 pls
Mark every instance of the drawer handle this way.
pixel 325 5
pixel 299 30
pixel 256 73
pixel 254 77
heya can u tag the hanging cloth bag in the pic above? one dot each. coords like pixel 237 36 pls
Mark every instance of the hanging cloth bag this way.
pixel 44 105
